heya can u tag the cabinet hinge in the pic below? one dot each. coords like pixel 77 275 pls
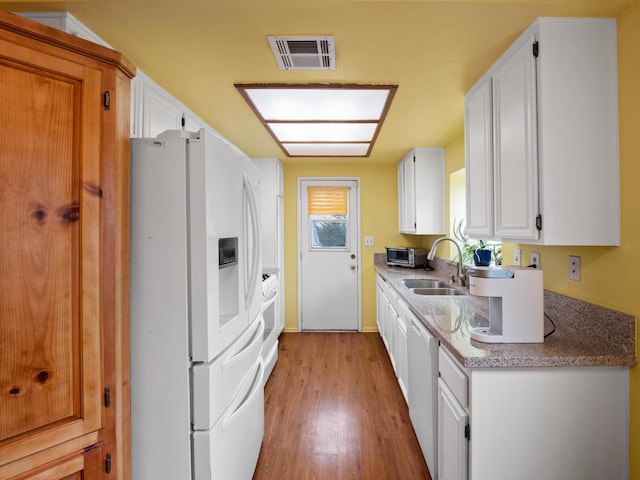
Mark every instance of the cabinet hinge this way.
pixel 106 100
pixel 107 463
pixel 535 49
pixel 107 397
pixel 539 222
pixel 467 432
pixel 183 122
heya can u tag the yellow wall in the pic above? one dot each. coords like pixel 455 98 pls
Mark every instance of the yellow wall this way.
pixel 378 218
pixel 614 275
pixel 610 275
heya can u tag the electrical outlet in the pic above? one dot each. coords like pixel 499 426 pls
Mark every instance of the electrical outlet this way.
pixel 516 256
pixel 535 259
pixel 574 268
pixel 368 241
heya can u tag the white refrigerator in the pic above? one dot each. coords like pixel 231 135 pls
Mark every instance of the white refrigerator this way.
pixel 197 399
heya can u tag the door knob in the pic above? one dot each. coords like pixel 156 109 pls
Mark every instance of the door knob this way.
pixel 353 267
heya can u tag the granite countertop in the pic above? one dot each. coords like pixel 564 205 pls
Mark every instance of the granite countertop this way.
pixel 585 335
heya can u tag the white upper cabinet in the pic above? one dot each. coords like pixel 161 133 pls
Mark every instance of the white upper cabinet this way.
pixel 154 110
pixel 541 138
pixel 272 208
pixel 479 160
pixel 67 23
pixel 515 154
pixel 421 192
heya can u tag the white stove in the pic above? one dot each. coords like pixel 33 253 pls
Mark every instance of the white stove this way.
pixel 273 325
pixel 269 286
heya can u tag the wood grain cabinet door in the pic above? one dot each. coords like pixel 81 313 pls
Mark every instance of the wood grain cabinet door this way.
pixel 84 465
pixel 50 250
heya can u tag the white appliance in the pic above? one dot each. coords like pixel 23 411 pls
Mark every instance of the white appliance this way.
pixel 197 398
pixel 272 208
pixel 273 325
pixel 422 349
pixel 516 304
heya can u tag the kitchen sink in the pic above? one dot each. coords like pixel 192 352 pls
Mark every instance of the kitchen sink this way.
pixel 436 291
pixel 423 283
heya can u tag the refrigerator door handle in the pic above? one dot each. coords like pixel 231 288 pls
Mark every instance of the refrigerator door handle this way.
pixel 255 389
pixel 256 338
pixel 255 235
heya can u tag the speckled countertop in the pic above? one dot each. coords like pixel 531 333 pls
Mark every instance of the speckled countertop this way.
pixel 585 335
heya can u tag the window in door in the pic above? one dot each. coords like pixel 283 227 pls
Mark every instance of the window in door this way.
pixel 328 210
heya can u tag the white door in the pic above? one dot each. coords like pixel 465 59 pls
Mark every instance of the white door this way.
pixel 329 267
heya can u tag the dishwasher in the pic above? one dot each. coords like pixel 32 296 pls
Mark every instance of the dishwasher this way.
pixel 423 391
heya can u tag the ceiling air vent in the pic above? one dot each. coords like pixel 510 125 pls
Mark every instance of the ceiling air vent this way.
pixel 304 53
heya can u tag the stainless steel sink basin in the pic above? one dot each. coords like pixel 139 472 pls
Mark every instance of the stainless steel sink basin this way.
pixel 423 283
pixel 436 291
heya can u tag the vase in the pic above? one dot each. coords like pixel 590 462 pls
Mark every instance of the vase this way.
pixel 482 257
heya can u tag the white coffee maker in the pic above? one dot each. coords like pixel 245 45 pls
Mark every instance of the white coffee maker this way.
pixel 516 303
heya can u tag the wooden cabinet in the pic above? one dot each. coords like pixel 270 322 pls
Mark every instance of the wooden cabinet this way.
pixel 541 138
pixel 64 276
pixel 421 192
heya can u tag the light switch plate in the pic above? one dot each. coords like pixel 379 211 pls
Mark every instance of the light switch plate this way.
pixel 517 256
pixel 368 241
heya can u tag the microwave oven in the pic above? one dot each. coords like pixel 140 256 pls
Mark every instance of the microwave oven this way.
pixel 409 257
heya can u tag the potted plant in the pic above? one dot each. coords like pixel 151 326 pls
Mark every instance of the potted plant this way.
pixel 474 252
pixel 482 255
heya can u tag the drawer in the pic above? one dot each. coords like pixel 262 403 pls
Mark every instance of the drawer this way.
pixel 215 384
pixel 453 375
pixel 230 449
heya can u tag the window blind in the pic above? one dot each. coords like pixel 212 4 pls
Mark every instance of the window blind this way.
pixel 327 200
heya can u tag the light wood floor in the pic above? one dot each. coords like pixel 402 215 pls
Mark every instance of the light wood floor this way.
pixel 334 410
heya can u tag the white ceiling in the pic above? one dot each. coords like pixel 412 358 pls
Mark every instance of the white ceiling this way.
pixel 433 50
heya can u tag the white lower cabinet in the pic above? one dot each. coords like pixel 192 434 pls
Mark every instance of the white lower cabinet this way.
pixel 453 421
pixel 530 423
pixel 392 326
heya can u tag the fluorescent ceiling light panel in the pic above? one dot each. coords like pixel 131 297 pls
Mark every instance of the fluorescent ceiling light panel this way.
pixel 325 120
pixel 328 132
pixel 319 104
pixel 326 149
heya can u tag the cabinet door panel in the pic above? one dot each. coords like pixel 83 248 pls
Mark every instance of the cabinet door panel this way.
pixel 50 257
pixel 479 162
pixel 452 444
pixel 160 111
pixel 86 465
pixel 515 148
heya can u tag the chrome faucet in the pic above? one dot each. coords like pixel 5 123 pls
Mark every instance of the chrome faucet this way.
pixel 432 254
